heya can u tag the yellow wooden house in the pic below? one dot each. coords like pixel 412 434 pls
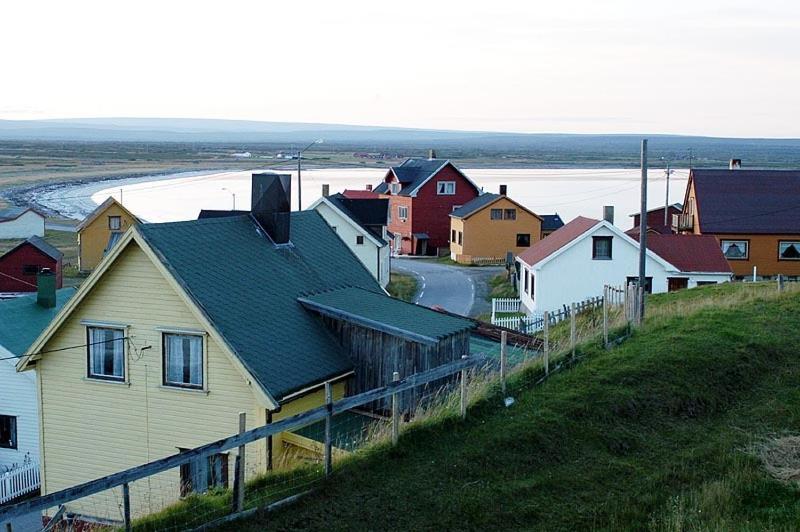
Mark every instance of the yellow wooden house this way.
pixel 99 231
pixel 491 225
pixel 184 325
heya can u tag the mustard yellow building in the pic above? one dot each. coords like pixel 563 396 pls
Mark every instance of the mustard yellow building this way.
pixel 99 231
pixel 490 226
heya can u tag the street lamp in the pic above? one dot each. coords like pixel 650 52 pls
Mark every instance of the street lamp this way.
pixel 299 179
pixel 233 195
pixel 667 173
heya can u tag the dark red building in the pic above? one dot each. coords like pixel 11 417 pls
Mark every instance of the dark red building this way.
pixel 422 193
pixel 655 219
pixel 20 265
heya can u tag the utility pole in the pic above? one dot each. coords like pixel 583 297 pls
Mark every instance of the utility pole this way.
pixel 690 158
pixel 643 233
pixel 666 200
pixel 299 183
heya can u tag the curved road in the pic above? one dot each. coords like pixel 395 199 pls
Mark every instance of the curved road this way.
pixel 461 290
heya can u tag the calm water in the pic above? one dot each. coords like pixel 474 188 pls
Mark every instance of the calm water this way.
pixel 568 192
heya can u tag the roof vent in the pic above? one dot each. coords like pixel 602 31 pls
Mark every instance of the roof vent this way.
pixel 735 164
pixel 503 190
pixel 608 214
pixel 271 199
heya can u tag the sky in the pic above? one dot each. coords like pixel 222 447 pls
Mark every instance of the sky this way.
pixel 702 67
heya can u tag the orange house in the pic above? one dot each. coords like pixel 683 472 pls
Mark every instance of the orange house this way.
pixel 754 215
pixel 99 231
pixel 490 226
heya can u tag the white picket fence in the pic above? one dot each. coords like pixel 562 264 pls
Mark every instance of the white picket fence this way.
pixel 529 324
pixel 19 481
pixel 505 304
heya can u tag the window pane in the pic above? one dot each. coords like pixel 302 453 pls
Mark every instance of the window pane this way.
pixel 734 249
pixel 183 359
pixel 601 247
pixel 8 432
pixel 510 214
pixel 106 353
pixel 497 214
pixel 523 240
pixel 789 250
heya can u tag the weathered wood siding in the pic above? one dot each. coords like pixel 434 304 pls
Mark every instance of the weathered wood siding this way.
pixel 377 355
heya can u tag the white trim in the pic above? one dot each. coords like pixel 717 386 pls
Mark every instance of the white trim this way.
pixel 105 324
pixel 413 193
pixel 352 222
pixel 179 330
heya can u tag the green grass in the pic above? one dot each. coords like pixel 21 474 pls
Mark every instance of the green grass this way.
pixel 500 286
pixel 655 434
pixel 402 286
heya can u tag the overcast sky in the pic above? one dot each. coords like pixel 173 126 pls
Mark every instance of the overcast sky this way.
pixel 710 67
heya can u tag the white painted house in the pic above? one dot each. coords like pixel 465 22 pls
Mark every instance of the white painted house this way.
pixel 21 320
pixel 20 222
pixel 577 260
pixel 361 224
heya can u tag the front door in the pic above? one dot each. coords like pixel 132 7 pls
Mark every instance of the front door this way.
pixel 677 283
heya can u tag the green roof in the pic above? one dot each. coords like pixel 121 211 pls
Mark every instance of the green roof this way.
pixel 482 346
pixel 392 316
pixel 248 289
pixel 22 320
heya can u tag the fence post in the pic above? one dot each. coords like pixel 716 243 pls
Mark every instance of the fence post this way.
pixel 640 306
pixel 126 506
pixel 464 390
pixel 494 308
pixel 546 334
pixel 780 282
pixel 503 361
pixel 572 330
pixel 328 420
pixel 395 411
pixel 238 496
pixel 606 293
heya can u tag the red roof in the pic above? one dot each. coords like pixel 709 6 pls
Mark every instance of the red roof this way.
pixel 689 253
pixel 360 194
pixel 557 240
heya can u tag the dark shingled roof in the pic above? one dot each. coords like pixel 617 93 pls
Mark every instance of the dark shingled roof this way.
pixel 561 237
pixel 748 201
pixel 475 205
pixel 22 320
pixel 39 243
pixel 393 316
pixel 370 214
pixel 412 173
pixel 211 213
pixel 551 222
pixel 248 288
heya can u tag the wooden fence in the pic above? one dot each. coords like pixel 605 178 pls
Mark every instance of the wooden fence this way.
pixel 488 261
pixel 19 481
pixel 535 323
pixel 325 412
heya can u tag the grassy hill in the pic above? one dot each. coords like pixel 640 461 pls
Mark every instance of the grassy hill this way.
pixel 686 426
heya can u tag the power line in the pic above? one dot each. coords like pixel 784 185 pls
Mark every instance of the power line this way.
pixel 70 347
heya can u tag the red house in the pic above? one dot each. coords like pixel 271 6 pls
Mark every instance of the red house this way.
pixel 422 193
pixel 20 265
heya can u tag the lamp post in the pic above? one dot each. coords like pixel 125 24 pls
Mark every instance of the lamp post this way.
pixel 299 179
pixel 233 196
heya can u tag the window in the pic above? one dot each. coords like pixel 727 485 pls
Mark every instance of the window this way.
pixel 106 350
pixel 8 432
pixel 114 223
pixel 334 228
pixel 523 240
pixel 204 473
pixel 460 238
pixel 532 279
pixel 788 250
pixel 360 240
pixel 648 283
pixel 395 188
pixel 446 188
pixel 736 249
pixel 30 269
pixel 402 212
pixel 510 214
pixel 601 247
pixel 452 235
pixel 183 360
pixel 496 214
pixel 527 286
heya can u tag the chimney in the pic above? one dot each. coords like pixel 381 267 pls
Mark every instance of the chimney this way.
pixel 326 191
pixel 608 213
pixel 431 154
pixel 46 288
pixel 369 187
pixel 503 190
pixel 271 204
pixel 735 164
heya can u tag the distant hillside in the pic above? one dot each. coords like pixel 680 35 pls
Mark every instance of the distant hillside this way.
pixel 575 150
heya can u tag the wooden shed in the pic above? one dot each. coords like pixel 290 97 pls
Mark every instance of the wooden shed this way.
pixel 383 338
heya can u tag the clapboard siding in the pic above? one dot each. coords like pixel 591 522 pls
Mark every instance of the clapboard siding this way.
pixel 18 398
pixel 27 225
pixel 377 355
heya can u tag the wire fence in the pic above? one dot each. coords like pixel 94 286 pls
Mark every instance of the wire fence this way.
pixel 275 464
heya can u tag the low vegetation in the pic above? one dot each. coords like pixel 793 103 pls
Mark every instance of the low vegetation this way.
pixel 500 286
pixel 402 286
pixel 689 425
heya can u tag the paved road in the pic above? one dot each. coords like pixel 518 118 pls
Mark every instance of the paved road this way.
pixel 55 226
pixel 457 289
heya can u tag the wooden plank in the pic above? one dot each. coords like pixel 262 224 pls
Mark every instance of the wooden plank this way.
pixel 328 420
pixel 395 412
pixel 126 506
pixel 503 346
pixel 464 391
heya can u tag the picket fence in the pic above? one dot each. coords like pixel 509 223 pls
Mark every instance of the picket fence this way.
pixel 19 481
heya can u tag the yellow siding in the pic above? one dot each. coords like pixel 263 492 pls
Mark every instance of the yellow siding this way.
pixel 487 238
pixel 93 239
pixel 91 428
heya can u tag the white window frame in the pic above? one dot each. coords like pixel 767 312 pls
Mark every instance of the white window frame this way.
pixel 781 243
pixel 400 209
pixel 91 346
pixel 446 188
pixel 119 223
pixel 394 188
pixel 731 241
pixel 164 365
